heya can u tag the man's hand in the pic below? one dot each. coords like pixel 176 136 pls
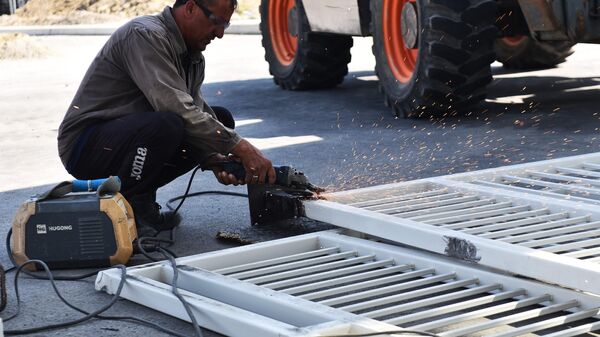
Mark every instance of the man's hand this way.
pixel 226 178
pixel 222 176
pixel 258 168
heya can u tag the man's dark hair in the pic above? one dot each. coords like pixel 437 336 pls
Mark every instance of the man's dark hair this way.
pixel 206 2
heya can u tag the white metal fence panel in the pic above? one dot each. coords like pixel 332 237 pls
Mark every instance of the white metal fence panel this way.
pixel 574 178
pixel 476 218
pixel 329 284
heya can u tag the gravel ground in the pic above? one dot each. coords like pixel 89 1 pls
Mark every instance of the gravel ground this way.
pixel 55 12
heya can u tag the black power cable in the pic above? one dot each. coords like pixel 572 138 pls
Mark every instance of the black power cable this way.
pixel 88 315
pixel 139 243
pixel 39 277
pixel 64 324
pixel 187 190
pixel 175 291
pixel 187 194
pixel 49 276
pixel 183 197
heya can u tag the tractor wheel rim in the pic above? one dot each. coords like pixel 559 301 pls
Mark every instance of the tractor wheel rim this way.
pixel 402 60
pixel 514 41
pixel 283 42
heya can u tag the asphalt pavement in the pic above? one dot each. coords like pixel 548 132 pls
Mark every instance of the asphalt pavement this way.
pixel 342 138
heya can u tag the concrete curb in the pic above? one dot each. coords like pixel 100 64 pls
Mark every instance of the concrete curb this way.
pixel 237 27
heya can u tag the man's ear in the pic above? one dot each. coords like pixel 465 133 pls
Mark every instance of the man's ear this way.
pixel 189 7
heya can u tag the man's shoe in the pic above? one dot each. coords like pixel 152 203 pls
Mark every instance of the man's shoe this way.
pixel 149 220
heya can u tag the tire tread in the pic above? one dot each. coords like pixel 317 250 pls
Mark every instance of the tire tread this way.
pixel 454 61
pixel 321 60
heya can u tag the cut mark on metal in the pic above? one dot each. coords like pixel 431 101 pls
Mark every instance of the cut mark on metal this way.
pixel 461 249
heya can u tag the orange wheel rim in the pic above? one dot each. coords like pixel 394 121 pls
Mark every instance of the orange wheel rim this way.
pixel 284 44
pixel 401 59
pixel 514 40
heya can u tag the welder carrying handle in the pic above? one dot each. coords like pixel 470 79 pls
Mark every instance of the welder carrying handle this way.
pixel 103 187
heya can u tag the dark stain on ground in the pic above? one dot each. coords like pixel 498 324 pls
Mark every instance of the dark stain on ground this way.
pixel 272 231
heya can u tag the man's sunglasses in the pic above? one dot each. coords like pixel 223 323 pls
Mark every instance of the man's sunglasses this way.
pixel 214 19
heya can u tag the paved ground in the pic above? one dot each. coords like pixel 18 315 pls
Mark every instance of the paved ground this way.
pixel 342 138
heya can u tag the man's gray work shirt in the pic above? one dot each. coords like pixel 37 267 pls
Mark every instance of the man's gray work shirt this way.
pixel 142 68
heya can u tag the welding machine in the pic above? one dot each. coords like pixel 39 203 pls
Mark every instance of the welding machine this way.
pixel 78 224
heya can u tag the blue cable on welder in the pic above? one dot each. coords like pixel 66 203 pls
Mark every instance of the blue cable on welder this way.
pixel 87 185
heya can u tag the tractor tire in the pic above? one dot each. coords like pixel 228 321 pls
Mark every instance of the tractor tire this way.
pixel 7 7
pixel 299 59
pixel 523 52
pixel 10 6
pixel 444 66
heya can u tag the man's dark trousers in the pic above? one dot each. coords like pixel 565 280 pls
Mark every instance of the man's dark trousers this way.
pixel 145 150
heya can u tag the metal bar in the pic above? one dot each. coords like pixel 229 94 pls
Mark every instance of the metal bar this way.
pixel 497 309
pixel 378 274
pixel 529 226
pixel 474 215
pixel 583 253
pixel 520 189
pixel 450 203
pixel 566 178
pixel 395 288
pixel 366 284
pixel 543 230
pixel 432 301
pixel 279 260
pixel 573 245
pixel 593 259
pixel 491 206
pixel 408 196
pixel 450 308
pixel 414 201
pixel 561 238
pixel 408 295
pixel 576 331
pixel 515 224
pixel 325 275
pixel 549 323
pixel 293 265
pixel 450 209
pixel 581 172
pixel 534 182
pixel 242 295
pixel 505 219
pixel 592 166
pixel 310 270
pixel 521 316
